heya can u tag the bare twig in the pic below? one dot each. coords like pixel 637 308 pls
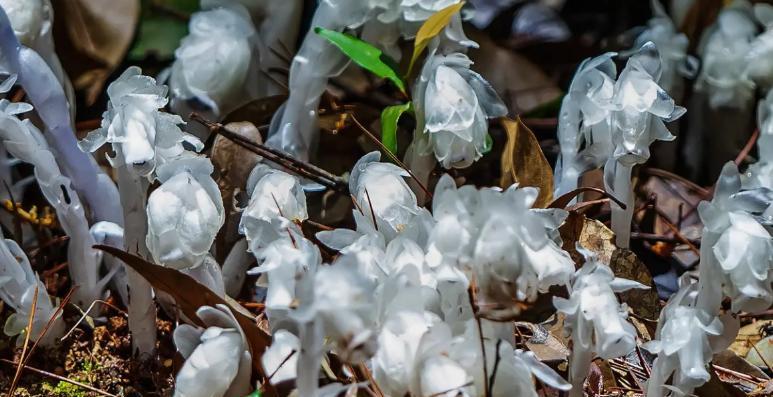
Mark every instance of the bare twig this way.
pixel 390 154
pixel 471 296
pixel 301 168
pixel 748 147
pixel 60 378
pixel 86 313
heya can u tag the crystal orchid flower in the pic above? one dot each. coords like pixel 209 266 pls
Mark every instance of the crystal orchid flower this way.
pixel 142 136
pixel 453 105
pixel 18 285
pixel 685 342
pixel 217 358
pixel 25 142
pixel 184 213
pixel 641 109
pixel 736 249
pixel 722 76
pixel 277 202
pixel 583 123
pixel 199 72
pixel 595 319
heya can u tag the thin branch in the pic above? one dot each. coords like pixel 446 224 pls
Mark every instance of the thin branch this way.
pixel 296 166
pixel 747 148
pixel 390 154
pixel 471 296
pixel 60 378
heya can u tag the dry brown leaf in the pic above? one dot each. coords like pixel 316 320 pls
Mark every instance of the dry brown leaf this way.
pixel 644 303
pixel 591 234
pixel 523 162
pixel 728 359
pixel 92 37
pixel 748 336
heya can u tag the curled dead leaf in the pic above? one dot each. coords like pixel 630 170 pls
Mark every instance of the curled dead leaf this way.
pixel 523 162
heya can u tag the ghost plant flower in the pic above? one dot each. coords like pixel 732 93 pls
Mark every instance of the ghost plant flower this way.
pixel 214 61
pixel 685 341
pixel 641 109
pixel 736 248
pixel 184 213
pixel 277 202
pixel 584 121
pixel 595 319
pixel 453 105
pixel 18 284
pixel 217 358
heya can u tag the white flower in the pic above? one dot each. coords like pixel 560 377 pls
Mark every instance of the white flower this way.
pixel 27 18
pixel 737 250
pixel 213 61
pixel 758 66
pixel 435 373
pixel 684 342
pixel 141 135
pixel 217 359
pixel 277 201
pixel 723 75
pixel 595 319
pixel 383 195
pixel 281 358
pixel 584 120
pixel 641 107
pixel 283 261
pixel 17 288
pixel 453 105
pixel 184 213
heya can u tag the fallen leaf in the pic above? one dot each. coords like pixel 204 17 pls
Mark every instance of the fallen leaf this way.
pixel 728 359
pixel 431 28
pixel 92 37
pixel 748 336
pixel 644 303
pixel 761 354
pixel 591 234
pixel 190 295
pixel 523 162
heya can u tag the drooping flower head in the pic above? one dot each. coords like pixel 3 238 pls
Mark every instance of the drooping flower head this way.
pixel 213 61
pixel 141 135
pixel 184 213
pixel 453 105
pixel 737 249
pixel 217 358
pixel 595 319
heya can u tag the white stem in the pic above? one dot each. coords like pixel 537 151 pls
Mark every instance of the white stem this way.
pixel 621 218
pixel 142 310
pixel 709 279
pixel 580 365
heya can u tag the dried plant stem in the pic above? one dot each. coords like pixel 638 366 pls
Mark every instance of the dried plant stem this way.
pixel 60 378
pixel 26 343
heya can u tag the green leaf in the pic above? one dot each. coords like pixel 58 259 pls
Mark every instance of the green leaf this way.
pixel 256 393
pixel 389 118
pixel 365 55
pixel 431 28
pixel 488 143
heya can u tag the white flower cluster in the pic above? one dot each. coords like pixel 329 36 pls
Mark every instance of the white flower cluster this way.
pixel 397 295
pixel 453 105
pixel 614 123
pixel 594 317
